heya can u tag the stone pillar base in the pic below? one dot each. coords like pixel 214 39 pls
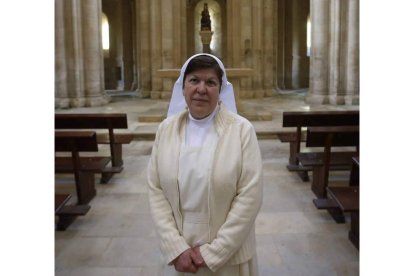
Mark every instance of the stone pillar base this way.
pixel 268 92
pixel 160 95
pixel 344 100
pixel 332 99
pixel 352 100
pixel 336 99
pixel 316 99
pixel 98 101
pixel 81 102
pixel 145 93
pixel 252 93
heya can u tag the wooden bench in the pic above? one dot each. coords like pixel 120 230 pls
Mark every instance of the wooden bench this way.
pixel 323 162
pixel 354 177
pixel 83 168
pixel 302 119
pixel 347 200
pixel 94 121
pixel 67 213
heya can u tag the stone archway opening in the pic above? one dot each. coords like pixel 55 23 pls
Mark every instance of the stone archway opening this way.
pixel 216 26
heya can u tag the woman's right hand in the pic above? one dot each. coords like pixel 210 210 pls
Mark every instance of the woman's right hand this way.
pixel 184 262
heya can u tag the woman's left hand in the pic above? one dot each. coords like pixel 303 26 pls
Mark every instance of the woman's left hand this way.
pixel 198 259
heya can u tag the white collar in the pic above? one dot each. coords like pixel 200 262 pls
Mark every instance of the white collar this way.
pixel 204 121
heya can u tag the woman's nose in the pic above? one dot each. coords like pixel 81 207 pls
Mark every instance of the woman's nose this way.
pixel 202 88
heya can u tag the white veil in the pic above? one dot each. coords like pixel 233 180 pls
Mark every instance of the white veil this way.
pixel 178 104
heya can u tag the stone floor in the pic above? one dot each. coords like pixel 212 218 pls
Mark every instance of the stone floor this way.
pixel 117 236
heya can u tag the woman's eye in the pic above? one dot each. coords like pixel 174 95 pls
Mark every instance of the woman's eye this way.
pixel 193 80
pixel 211 83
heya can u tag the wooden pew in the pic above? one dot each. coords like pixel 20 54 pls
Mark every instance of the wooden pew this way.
pixel 83 168
pixel 347 200
pixel 93 121
pixel 354 177
pixel 354 182
pixel 322 162
pixel 67 213
pixel 302 119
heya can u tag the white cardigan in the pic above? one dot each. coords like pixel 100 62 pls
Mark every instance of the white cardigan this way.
pixel 235 189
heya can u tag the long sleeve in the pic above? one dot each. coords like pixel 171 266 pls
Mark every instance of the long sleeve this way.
pixel 244 208
pixel 172 243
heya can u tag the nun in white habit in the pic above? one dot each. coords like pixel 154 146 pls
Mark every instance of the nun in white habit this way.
pixel 205 177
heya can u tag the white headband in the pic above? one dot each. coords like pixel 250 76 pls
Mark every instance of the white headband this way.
pixel 178 104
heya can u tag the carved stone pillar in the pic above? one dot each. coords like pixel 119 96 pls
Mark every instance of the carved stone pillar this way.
pixel 79 60
pixel 334 76
pixel 268 47
pixel 167 44
pixel 257 47
pixel 143 42
pixel 352 68
pixel 156 51
pixel 93 53
pixel 334 53
pixel 233 34
pixel 61 93
pixel 319 59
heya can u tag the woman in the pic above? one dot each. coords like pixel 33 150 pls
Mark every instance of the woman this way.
pixel 205 176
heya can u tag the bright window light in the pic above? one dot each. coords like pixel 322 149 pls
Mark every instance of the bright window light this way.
pixel 105 32
pixel 308 37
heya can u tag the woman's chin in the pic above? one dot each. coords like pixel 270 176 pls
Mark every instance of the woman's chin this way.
pixel 198 114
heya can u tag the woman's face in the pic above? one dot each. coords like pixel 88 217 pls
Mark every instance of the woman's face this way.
pixel 201 92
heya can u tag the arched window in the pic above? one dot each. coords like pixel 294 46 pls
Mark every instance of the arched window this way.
pixel 215 17
pixel 105 32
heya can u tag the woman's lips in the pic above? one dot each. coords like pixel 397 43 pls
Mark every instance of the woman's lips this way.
pixel 200 100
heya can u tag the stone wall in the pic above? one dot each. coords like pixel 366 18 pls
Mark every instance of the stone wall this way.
pixel 263 39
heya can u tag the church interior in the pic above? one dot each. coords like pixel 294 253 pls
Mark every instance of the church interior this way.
pixel 123 56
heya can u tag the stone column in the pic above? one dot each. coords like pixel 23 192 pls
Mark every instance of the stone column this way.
pixel 246 47
pixel 257 47
pixel 79 55
pixel 73 54
pixel 334 52
pixel 234 52
pixel 280 36
pixel 167 44
pixel 319 60
pixel 143 43
pixel 61 92
pixel 352 57
pixel 276 41
pixel 268 45
pixel 183 34
pixel 177 41
pixel 93 53
pixel 233 33
pixel 156 51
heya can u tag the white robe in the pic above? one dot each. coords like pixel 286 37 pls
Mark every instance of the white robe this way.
pixel 195 164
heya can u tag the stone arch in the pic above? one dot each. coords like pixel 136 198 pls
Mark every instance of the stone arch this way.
pixel 217 10
pixel 216 26
pixel 119 64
